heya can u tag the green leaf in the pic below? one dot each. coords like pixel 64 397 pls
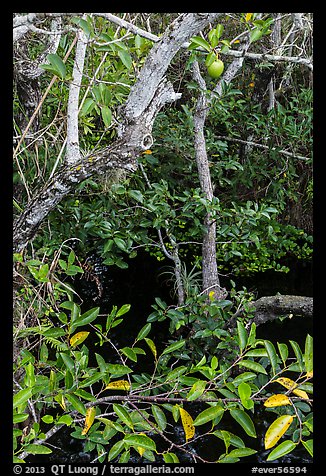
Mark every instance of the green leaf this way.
pixel 123 415
pixel 244 391
pixel 86 318
pixel 242 335
pixel 34 449
pixel 252 335
pixel 272 355
pixel 106 114
pixel 137 195
pixel 87 107
pixel 58 65
pixel 249 364
pixel 142 441
pixel 234 440
pixel 284 351
pixel 76 403
pixel 69 363
pixel 298 353
pixel 245 421
pixel 83 24
pixel 170 458
pixel 123 310
pixel 196 390
pixel 282 449
pixel 129 352
pixel 173 347
pixel 159 416
pixel 199 41
pixel 175 373
pixel 209 414
pixel 118 370
pixel 255 35
pixel 309 446
pixel 47 419
pixel 308 353
pixel 219 30
pixel 116 450
pixel 19 417
pixel 22 396
pixel 241 452
pixel 125 58
pixel 144 331
pixel 120 243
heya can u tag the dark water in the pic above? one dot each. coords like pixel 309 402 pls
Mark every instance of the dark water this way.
pixel 139 285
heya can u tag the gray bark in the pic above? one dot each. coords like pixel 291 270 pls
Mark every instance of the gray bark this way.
pixel 210 275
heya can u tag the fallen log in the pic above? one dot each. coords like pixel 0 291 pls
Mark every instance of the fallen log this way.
pixel 269 308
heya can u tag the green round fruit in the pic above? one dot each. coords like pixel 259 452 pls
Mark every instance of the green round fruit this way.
pixel 216 69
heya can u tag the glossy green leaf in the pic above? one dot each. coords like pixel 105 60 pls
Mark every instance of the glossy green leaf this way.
pixel 297 351
pixel 284 351
pixel 142 441
pixel 199 41
pixel 144 331
pixel 309 446
pixel 233 439
pixel 86 318
pixel 196 390
pixel 245 421
pixel 170 458
pixel 282 449
pixel 22 396
pixel 35 449
pixel 209 414
pixel 242 335
pixel 76 403
pixel 244 391
pixel 69 363
pixel 272 355
pixel 241 452
pixel 308 353
pixel 130 353
pixel 116 450
pixel 250 364
pixel 173 347
pixel 123 415
pixel 159 416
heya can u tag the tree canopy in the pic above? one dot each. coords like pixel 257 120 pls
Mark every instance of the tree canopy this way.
pixel 184 137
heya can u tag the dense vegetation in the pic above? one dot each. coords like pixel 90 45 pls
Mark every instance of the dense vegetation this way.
pixel 68 372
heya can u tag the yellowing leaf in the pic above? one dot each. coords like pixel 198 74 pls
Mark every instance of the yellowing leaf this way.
pixel 309 374
pixel 147 151
pixel 141 450
pixel 286 382
pixel 277 400
pixel 187 423
pixel 276 430
pixel 90 415
pixel 60 399
pixel 78 338
pixel 248 16
pixel 301 393
pixel 291 385
pixel 118 385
